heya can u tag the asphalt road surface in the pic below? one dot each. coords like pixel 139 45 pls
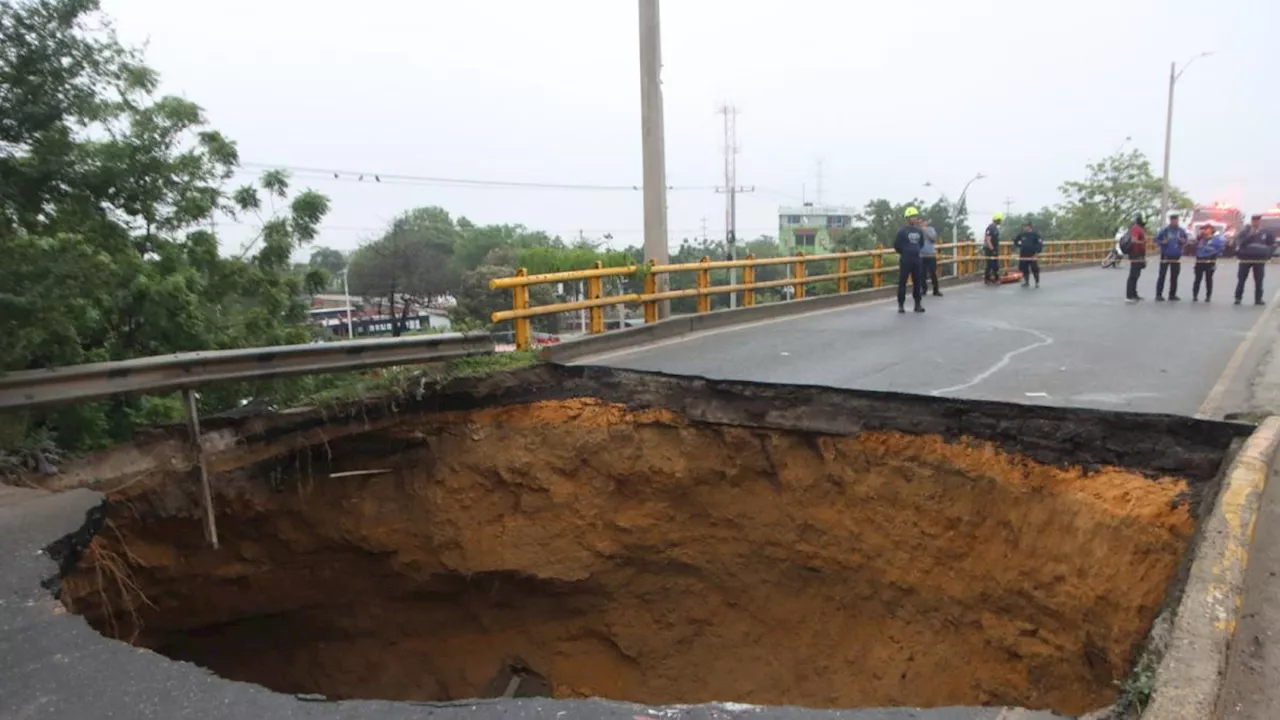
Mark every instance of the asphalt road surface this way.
pixel 1073 342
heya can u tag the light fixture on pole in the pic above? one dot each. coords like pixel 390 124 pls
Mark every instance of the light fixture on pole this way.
pixel 955 220
pixel 1174 74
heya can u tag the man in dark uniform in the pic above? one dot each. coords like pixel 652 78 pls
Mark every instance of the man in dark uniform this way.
pixel 1171 239
pixel 1254 247
pixel 908 244
pixel 991 247
pixel 1029 244
pixel 1137 251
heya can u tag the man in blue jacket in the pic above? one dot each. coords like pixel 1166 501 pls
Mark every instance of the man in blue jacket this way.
pixel 1253 249
pixel 1171 241
pixel 1209 247
pixel 908 244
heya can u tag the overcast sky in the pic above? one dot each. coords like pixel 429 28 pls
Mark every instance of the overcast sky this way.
pixel 888 95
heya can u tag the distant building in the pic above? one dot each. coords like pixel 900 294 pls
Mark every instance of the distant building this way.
pixel 374 316
pixel 812 228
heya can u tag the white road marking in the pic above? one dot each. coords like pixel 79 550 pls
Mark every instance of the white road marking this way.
pixel 1043 341
pixel 1213 400
pixel 597 359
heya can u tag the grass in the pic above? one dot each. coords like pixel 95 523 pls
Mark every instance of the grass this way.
pixel 1136 690
pixel 406 379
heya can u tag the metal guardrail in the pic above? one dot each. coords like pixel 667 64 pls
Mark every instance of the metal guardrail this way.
pixel 186 371
pixel 962 258
pixel 166 373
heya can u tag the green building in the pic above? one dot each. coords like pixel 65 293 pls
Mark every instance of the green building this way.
pixel 812 228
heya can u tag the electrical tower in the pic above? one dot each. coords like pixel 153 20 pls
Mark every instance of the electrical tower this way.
pixel 731 190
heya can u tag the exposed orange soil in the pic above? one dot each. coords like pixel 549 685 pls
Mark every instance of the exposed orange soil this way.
pixel 638 556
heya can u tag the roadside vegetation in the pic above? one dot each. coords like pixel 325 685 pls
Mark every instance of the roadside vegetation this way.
pixel 111 200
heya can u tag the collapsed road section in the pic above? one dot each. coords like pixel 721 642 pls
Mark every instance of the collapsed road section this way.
pixel 593 533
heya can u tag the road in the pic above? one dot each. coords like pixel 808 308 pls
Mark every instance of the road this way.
pixel 1073 342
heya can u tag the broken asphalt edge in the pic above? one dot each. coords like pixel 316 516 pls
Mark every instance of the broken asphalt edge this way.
pixel 680 325
pixel 1190 676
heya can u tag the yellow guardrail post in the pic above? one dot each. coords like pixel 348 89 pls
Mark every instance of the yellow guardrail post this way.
pixel 704 282
pixel 595 290
pixel 842 269
pixel 877 264
pixel 520 301
pixel 797 273
pixel 749 278
pixel 650 287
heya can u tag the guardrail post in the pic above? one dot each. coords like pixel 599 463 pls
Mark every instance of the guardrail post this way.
pixel 197 450
pixel 520 301
pixel 704 282
pixel 797 273
pixel 877 264
pixel 842 269
pixel 749 278
pixel 650 288
pixel 595 290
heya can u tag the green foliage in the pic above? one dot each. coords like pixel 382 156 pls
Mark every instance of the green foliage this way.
pixel 107 195
pixel 1115 189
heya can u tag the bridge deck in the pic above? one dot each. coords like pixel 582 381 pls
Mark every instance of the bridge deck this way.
pixel 1074 341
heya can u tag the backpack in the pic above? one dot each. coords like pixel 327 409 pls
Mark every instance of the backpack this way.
pixel 1125 240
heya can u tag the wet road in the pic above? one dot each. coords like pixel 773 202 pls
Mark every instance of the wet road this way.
pixel 1072 342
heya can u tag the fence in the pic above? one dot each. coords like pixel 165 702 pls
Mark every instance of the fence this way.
pixel 962 258
pixel 186 371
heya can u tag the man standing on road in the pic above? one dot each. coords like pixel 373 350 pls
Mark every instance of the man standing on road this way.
pixel 929 256
pixel 1171 241
pixel 1029 244
pixel 991 247
pixel 908 244
pixel 1253 249
pixel 1137 251
pixel 1209 247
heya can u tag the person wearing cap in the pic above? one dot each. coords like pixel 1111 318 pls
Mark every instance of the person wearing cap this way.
pixel 1171 239
pixel 908 244
pixel 1209 247
pixel 1029 244
pixel 1253 249
pixel 991 247
pixel 929 257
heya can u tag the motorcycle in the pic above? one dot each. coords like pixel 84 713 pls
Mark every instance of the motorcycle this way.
pixel 1116 254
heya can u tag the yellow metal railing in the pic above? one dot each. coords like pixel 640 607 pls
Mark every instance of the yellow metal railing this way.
pixel 963 258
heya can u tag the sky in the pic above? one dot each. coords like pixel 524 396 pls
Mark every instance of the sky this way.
pixel 864 99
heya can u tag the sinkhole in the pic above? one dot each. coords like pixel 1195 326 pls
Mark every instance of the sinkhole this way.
pixel 662 540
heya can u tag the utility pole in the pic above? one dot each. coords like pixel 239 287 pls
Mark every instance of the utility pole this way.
pixel 704 229
pixel 1008 206
pixel 731 190
pixel 653 141
pixel 1174 74
pixel 818 190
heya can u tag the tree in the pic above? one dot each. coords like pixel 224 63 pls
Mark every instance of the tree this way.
pixel 410 265
pixel 1116 188
pixel 106 198
pixel 333 262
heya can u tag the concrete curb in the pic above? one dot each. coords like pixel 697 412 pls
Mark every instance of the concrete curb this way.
pixel 686 324
pixel 1190 676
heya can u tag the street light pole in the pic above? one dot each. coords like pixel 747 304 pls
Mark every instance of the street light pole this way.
pixel 1174 74
pixel 347 292
pixel 955 223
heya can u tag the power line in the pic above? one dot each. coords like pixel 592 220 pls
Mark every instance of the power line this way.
pixel 402 179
